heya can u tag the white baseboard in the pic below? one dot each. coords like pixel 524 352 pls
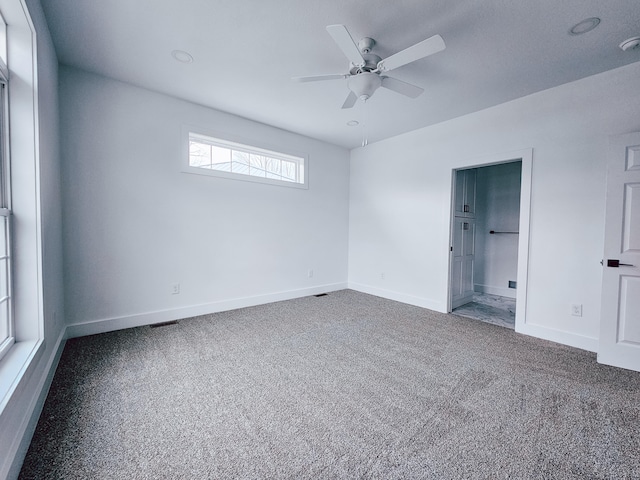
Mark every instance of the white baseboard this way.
pixel 148 318
pixel 24 433
pixel 566 338
pixel 558 336
pixel 400 297
pixel 503 292
pixel 461 301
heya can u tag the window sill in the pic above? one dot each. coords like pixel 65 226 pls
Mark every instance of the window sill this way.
pixel 15 366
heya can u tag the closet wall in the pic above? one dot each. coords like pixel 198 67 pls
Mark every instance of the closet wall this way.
pixel 497 209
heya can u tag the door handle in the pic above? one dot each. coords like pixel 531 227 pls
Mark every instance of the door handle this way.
pixel 616 264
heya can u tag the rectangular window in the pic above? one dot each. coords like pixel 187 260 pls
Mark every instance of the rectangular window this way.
pixel 214 156
pixel 6 316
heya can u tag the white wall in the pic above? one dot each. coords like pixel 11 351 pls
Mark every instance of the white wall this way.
pixel 400 198
pixel 134 224
pixel 498 209
pixel 20 416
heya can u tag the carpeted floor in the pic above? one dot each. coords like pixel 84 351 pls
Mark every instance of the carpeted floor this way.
pixel 342 386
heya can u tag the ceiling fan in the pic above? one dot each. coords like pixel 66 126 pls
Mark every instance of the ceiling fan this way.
pixel 366 69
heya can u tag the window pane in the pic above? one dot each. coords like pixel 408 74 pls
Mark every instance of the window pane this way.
pixel 199 155
pixel 4 187
pixel 4 320
pixel 258 166
pixel 240 157
pixel 5 317
pixel 215 154
pixel 288 171
pixel 220 155
pixel 4 223
pixel 4 276
pixel 274 166
pixel 221 167
pixel 240 162
pixel 3 40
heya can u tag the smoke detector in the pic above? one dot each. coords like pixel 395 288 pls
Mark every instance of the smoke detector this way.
pixel 632 43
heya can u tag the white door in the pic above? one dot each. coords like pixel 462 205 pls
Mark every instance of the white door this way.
pixel 620 318
pixel 465 193
pixel 462 261
pixel 459 194
pixel 470 192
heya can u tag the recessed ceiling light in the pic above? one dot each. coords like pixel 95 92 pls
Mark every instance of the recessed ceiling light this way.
pixel 632 43
pixel 353 123
pixel 182 56
pixel 584 26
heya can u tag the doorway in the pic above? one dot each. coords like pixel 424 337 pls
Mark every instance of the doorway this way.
pixel 489 241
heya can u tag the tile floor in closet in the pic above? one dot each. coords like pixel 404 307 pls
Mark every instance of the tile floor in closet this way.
pixel 491 309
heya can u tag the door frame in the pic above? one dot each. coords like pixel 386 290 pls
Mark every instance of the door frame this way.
pixel 526 157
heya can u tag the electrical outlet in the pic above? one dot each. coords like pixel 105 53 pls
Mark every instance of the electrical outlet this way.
pixel 310 273
pixel 576 310
pixel 382 276
pixel 175 289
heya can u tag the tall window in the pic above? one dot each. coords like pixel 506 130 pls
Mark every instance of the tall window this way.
pixel 6 314
pixel 214 156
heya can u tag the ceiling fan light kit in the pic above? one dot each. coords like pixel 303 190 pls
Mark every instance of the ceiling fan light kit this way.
pixel 364 84
pixel 365 68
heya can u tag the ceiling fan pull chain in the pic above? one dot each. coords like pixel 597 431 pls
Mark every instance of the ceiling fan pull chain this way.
pixel 365 140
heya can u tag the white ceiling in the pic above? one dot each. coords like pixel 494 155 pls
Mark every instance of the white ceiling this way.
pixel 246 51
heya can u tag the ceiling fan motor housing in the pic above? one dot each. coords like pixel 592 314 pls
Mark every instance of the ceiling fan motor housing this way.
pixel 371 63
pixel 366 44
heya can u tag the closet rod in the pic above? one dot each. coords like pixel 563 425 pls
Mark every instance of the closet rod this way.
pixel 493 232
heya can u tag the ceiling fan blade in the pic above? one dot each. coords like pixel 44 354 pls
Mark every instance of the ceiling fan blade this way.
pixel 401 87
pixel 317 78
pixel 351 100
pixel 343 38
pixel 420 50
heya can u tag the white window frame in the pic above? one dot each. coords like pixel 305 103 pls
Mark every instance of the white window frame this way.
pixel 5 210
pixel 19 362
pixel 234 143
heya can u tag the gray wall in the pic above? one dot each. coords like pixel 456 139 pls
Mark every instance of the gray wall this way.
pixel 134 224
pixel 400 200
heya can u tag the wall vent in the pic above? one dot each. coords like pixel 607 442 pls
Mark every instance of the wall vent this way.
pixel 321 295
pixel 164 324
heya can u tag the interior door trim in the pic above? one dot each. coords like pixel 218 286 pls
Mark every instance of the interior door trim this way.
pixel 526 157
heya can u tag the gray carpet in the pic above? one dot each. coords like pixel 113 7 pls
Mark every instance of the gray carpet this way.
pixel 342 386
